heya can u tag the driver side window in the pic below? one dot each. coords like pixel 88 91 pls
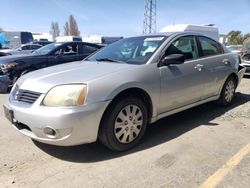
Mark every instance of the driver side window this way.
pixel 185 46
pixel 71 49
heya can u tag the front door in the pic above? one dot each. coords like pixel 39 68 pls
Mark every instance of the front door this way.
pixel 181 84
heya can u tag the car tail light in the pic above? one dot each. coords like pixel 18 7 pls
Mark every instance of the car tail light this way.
pixel 241 54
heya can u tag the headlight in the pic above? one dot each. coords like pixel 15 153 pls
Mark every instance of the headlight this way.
pixel 66 95
pixel 6 67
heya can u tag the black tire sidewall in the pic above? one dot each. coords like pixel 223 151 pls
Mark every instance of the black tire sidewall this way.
pixel 109 123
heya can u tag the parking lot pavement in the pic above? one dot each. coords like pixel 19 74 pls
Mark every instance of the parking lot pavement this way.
pixel 183 150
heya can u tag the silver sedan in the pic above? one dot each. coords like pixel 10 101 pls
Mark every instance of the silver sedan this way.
pixel 114 94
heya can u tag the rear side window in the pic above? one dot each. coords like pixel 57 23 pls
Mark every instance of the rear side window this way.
pixel 35 47
pixel 184 45
pixel 26 47
pixel 209 47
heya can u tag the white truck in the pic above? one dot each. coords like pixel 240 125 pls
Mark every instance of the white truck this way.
pixel 68 39
pixel 96 39
pixel 208 30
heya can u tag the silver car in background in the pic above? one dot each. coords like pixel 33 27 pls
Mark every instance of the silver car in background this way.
pixel 23 49
pixel 114 94
pixel 245 61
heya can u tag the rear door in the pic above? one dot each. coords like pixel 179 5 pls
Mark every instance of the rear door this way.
pixel 181 84
pixel 216 66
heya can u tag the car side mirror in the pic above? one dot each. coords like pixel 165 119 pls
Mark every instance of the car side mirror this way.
pixel 173 59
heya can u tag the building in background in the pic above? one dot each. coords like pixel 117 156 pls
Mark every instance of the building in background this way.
pixel 68 39
pixel 223 39
pixel 42 37
pixel 14 39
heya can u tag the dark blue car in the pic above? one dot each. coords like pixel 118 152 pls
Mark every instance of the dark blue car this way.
pixel 14 66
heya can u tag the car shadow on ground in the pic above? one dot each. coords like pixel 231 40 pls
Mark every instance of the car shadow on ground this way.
pixel 161 132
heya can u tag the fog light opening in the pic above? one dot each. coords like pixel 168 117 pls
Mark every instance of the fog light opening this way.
pixel 50 132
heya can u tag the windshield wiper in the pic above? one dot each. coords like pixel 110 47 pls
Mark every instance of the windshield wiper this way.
pixel 110 60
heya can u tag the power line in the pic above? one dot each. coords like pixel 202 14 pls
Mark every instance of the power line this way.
pixel 149 23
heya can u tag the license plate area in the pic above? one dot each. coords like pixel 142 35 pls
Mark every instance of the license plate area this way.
pixel 9 114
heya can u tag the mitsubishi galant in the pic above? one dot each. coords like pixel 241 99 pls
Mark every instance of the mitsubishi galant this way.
pixel 114 94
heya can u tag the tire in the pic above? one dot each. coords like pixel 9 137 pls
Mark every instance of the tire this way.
pixel 120 130
pixel 228 92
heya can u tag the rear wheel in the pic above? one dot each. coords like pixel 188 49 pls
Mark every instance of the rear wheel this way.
pixel 228 92
pixel 124 124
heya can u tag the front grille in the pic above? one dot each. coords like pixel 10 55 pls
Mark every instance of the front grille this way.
pixel 246 57
pixel 25 96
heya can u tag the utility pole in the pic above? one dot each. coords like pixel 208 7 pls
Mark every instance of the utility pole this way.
pixel 149 23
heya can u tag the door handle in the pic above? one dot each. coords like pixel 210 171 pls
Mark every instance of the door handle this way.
pixel 199 67
pixel 226 61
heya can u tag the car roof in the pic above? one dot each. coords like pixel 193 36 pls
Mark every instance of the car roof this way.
pixel 168 34
pixel 77 42
pixel 30 44
pixel 70 42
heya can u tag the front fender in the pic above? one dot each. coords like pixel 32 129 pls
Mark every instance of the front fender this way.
pixel 154 96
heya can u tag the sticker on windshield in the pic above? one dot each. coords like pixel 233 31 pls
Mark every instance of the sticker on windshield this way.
pixel 154 39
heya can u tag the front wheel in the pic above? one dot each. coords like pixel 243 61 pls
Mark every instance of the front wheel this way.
pixel 228 92
pixel 124 124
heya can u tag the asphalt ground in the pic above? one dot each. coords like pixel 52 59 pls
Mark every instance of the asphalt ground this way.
pixel 206 146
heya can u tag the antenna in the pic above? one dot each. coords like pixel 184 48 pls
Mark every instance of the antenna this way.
pixel 149 23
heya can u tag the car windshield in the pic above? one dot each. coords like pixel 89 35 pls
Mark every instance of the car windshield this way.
pixel 136 50
pixel 46 49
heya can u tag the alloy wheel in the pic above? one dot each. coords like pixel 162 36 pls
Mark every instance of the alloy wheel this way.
pixel 229 92
pixel 128 124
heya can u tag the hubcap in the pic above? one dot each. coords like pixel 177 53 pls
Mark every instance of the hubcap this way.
pixel 230 89
pixel 128 124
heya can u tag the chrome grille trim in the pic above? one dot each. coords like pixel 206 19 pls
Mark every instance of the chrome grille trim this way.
pixel 25 96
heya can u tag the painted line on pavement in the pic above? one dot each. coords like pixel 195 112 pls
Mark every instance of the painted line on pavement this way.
pixel 218 176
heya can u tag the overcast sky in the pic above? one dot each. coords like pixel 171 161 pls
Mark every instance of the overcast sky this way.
pixel 122 17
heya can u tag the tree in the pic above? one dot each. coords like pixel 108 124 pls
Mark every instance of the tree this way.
pixel 71 27
pixel 66 29
pixel 235 37
pixel 246 36
pixel 54 30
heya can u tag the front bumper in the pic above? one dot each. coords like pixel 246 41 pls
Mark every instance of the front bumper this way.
pixel 247 65
pixel 73 126
pixel 5 82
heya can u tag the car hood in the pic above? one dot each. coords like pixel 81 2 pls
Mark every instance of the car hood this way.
pixel 76 72
pixel 11 58
pixel 7 50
